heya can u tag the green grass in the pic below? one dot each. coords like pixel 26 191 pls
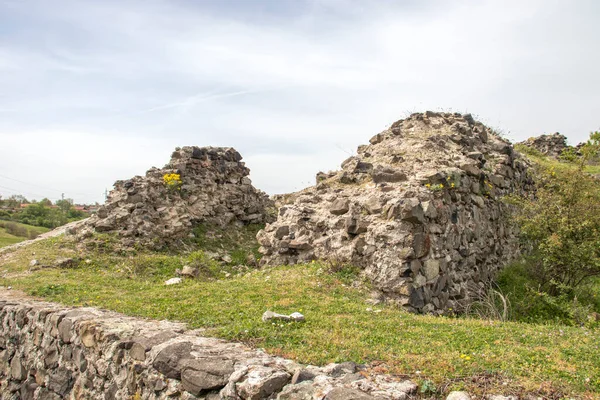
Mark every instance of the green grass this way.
pixel 25 232
pixel 454 353
pixel 593 169
pixel 548 162
pixel 238 242
pixel 6 239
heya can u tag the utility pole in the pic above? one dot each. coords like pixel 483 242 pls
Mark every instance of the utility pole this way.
pixel 62 208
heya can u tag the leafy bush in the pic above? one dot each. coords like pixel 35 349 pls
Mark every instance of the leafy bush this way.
pixel 42 214
pixel 528 303
pixel 17 230
pixel 561 223
pixel 14 229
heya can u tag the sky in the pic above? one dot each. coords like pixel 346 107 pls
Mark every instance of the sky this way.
pixel 99 90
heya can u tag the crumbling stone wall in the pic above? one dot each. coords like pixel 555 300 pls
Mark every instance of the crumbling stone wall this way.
pixel 419 208
pixel 550 145
pixel 48 352
pixel 214 189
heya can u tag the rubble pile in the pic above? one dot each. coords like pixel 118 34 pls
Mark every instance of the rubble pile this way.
pixel 199 185
pixel 549 145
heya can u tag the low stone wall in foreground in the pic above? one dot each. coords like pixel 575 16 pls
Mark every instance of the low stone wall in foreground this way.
pixel 51 352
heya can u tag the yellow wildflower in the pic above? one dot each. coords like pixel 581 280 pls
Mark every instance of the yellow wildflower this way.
pixel 172 181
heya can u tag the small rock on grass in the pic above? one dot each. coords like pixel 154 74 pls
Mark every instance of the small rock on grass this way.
pixel 189 271
pixel 458 396
pixel 251 260
pixel 297 317
pixel 270 315
pixel 173 281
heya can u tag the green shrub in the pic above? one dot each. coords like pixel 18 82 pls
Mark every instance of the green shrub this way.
pixel 561 224
pixel 15 229
pixel 207 267
pixel 40 214
pixel 529 303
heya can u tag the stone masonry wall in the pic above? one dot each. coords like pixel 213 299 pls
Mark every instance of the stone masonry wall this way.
pixel 419 209
pixel 214 189
pixel 550 145
pixel 48 352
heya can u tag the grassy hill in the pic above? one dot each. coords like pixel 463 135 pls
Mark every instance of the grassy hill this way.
pixel 593 169
pixel 14 232
pixel 448 353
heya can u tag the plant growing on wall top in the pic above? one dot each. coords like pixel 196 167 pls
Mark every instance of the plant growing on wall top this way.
pixel 172 182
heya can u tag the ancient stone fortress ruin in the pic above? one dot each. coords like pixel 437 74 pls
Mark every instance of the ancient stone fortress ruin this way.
pixel 199 185
pixel 549 145
pixel 419 209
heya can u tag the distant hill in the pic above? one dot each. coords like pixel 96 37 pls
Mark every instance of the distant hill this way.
pixel 14 232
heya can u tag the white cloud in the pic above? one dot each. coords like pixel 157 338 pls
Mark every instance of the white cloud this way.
pixel 79 164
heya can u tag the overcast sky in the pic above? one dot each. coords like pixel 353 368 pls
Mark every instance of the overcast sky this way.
pixel 92 91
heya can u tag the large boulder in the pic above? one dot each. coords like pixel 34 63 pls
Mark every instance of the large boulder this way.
pixel 199 185
pixel 418 209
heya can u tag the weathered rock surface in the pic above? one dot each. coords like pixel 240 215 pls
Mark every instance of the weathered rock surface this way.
pixel 550 145
pixel 51 352
pixel 270 315
pixel 214 188
pixel 458 396
pixel 418 209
